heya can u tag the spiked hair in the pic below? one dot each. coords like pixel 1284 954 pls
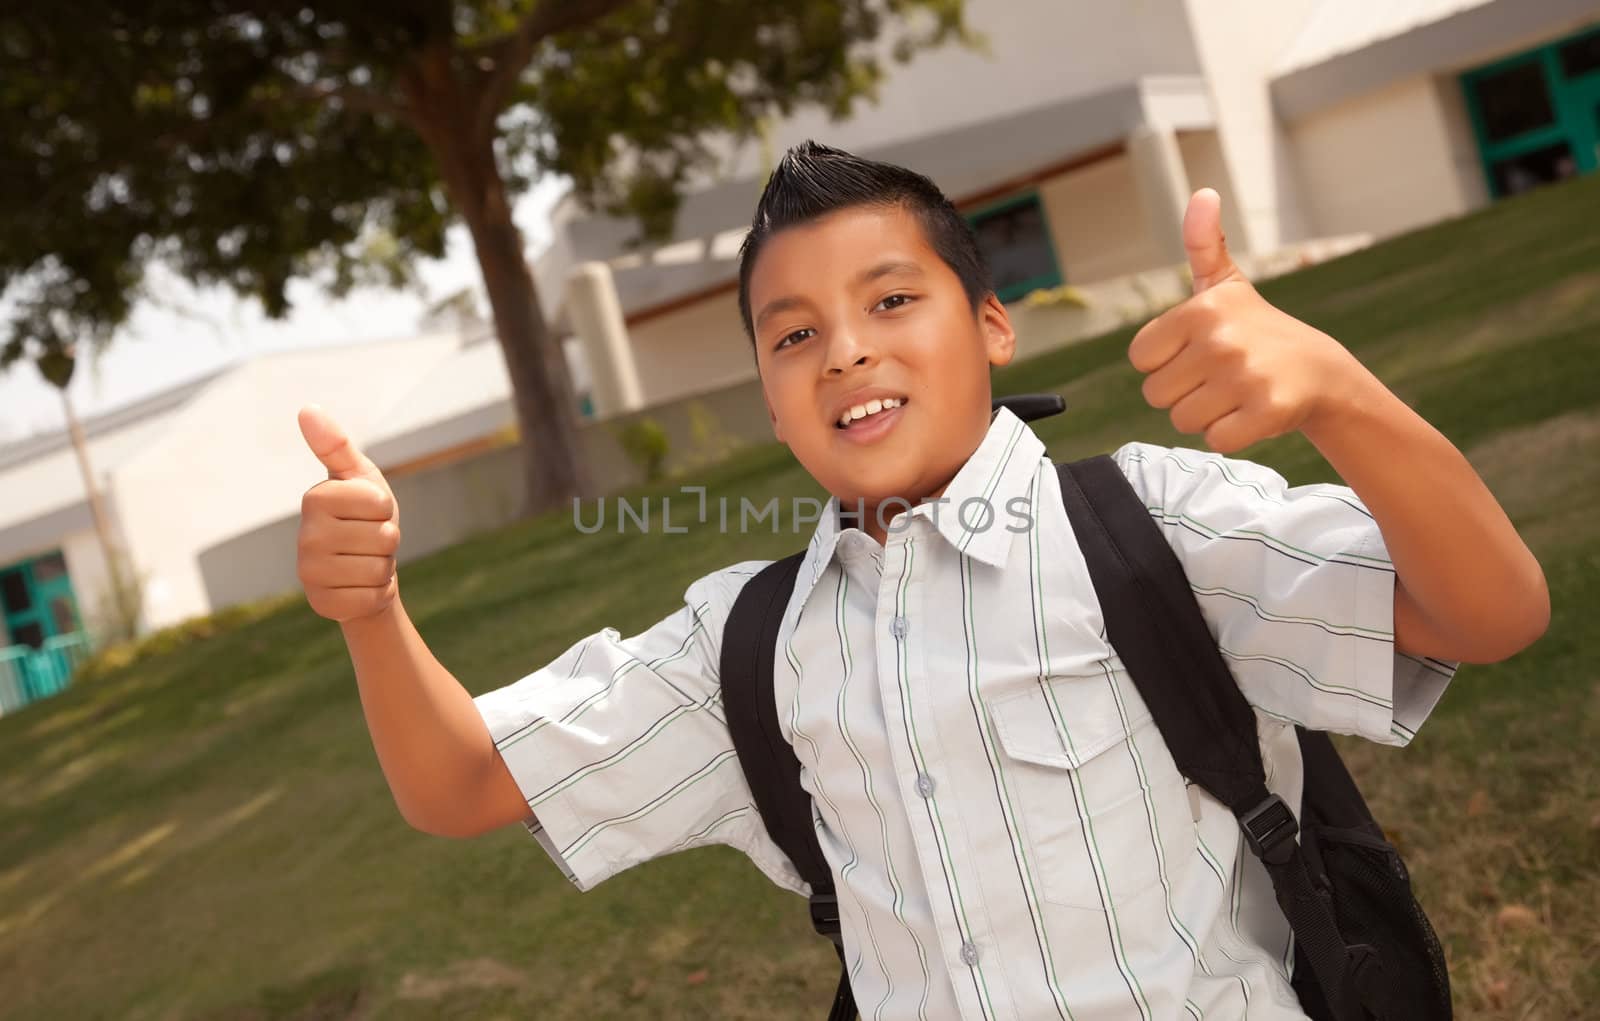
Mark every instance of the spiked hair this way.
pixel 813 180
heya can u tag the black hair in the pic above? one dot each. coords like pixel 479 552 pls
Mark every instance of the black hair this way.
pixel 813 180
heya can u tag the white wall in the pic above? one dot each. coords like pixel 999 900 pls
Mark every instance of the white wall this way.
pixel 49 482
pixel 1097 219
pixel 233 458
pixel 1040 51
pixel 1238 42
pixel 692 349
pixel 1097 223
pixel 91 580
pixel 1389 161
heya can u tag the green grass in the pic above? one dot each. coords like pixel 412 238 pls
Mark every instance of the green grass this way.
pixel 205 833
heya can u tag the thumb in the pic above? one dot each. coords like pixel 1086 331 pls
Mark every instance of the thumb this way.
pixel 1209 260
pixel 333 448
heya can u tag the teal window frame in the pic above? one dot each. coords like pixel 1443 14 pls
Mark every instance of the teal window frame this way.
pixel 1574 102
pixel 41 596
pixel 1022 288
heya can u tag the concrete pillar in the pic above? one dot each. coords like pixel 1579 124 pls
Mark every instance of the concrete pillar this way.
pixel 1163 187
pixel 596 317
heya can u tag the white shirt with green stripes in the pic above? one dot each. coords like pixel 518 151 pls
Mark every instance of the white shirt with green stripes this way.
pixel 1009 835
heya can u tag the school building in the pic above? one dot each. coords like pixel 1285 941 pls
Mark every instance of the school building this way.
pixel 1071 141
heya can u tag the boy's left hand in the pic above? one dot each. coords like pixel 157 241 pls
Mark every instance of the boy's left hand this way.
pixel 1228 363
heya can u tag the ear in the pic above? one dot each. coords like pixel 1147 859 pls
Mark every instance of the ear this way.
pixel 999 337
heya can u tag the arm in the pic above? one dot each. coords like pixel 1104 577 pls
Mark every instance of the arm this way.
pixel 1233 367
pixel 442 767
pixel 435 750
pixel 1467 587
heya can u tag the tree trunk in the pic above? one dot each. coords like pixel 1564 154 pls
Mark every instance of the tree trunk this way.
pixel 541 387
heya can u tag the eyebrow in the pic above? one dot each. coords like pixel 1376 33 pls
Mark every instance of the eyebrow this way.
pixel 866 276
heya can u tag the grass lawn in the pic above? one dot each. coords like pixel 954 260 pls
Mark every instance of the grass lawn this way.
pixel 205 833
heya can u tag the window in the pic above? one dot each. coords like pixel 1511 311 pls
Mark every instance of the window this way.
pixel 64 613
pixel 36 601
pixel 1581 56
pixel 49 567
pixel 1015 238
pixel 1514 102
pixel 14 594
pixel 30 634
pixel 1517 174
pixel 1536 114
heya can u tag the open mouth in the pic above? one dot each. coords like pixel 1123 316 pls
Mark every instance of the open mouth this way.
pixel 865 411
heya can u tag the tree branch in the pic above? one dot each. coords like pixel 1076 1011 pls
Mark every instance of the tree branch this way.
pixel 510 56
pixel 353 96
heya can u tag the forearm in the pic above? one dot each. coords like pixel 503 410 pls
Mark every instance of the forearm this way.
pixel 431 743
pixel 1467 587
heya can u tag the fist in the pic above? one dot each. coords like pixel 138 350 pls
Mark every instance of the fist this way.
pixel 1228 364
pixel 349 528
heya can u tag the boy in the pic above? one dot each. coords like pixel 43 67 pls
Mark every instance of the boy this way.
pixel 1008 833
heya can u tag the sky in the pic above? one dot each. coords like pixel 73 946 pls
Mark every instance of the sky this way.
pixel 186 331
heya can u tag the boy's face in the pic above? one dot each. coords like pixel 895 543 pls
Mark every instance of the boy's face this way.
pixel 856 307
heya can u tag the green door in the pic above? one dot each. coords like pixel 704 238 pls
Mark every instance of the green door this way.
pixel 36 596
pixel 1537 114
pixel 43 633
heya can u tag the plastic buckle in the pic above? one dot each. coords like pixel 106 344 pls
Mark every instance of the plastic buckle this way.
pixel 1270 829
pixel 825 915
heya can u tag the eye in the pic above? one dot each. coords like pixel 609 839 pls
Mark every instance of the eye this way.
pixel 793 338
pixel 894 301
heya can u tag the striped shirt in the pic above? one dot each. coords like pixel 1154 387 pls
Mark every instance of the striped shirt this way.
pixel 1009 835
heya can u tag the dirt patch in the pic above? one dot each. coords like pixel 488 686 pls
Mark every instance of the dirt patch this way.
pixel 477 973
pixel 335 995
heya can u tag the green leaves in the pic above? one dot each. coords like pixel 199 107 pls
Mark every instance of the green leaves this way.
pixel 246 143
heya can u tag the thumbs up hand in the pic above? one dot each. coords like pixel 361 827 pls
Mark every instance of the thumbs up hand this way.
pixel 1229 364
pixel 349 528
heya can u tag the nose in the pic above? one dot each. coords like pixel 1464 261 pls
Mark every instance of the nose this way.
pixel 847 349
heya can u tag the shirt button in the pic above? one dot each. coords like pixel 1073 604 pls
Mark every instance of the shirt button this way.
pixel 925 785
pixel 897 627
pixel 969 954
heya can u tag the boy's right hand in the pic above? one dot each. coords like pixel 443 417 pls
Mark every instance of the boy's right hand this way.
pixel 349 528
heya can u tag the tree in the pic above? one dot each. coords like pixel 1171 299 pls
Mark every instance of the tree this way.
pixel 121 606
pixel 250 143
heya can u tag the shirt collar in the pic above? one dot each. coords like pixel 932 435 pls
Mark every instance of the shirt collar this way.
pixel 1001 469
pixel 975 515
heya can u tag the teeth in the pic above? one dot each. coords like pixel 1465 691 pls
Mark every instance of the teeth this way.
pixel 871 407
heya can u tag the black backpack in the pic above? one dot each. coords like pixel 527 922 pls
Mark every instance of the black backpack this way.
pixel 1364 950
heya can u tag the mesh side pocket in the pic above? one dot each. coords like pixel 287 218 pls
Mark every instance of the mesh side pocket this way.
pixel 1374 905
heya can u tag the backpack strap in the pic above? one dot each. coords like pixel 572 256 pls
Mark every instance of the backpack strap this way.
pixel 1154 622
pixel 749 649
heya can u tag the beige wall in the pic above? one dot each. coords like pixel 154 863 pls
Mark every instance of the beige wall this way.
pixel 1238 42
pixel 1036 52
pixel 1389 161
pixel 694 349
pixel 1099 224
pixel 233 458
pixel 445 505
pixel 91 581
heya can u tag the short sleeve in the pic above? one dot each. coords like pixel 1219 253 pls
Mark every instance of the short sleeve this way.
pixel 622 750
pixel 1298 588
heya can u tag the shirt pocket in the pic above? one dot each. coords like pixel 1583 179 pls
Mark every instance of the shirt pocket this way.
pixel 1098 797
